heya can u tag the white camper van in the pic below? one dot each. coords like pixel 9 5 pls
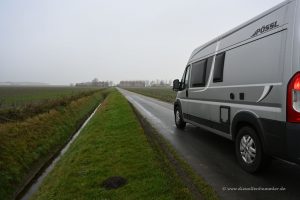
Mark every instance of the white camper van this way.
pixel 245 86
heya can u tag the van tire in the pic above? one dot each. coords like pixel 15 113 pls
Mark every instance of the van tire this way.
pixel 248 144
pixel 180 123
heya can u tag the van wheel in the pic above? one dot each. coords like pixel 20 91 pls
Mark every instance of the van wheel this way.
pixel 178 118
pixel 249 152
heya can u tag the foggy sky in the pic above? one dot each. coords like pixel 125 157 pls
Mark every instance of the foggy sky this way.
pixel 69 41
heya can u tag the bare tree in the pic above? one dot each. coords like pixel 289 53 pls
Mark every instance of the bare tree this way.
pixel 95 81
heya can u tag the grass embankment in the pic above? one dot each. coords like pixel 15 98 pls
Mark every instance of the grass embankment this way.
pixel 26 145
pixel 113 144
pixel 164 94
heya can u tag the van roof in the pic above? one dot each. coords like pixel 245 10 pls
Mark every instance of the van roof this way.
pixel 241 26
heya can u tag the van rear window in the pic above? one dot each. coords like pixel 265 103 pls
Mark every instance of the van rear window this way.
pixel 219 67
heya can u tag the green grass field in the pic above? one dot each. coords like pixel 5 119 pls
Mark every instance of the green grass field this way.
pixel 17 96
pixel 27 144
pixel 112 144
pixel 164 94
pixel 19 103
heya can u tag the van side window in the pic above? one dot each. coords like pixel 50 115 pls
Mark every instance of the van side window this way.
pixel 219 67
pixel 198 73
pixel 208 68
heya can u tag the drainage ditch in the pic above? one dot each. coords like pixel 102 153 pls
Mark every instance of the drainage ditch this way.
pixel 35 183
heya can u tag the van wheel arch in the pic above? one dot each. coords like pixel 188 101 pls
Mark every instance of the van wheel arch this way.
pixel 180 123
pixel 176 104
pixel 247 119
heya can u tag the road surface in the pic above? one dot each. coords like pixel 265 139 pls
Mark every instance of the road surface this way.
pixel 213 157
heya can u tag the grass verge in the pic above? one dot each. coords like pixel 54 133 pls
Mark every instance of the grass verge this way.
pixel 113 144
pixel 179 167
pixel 164 94
pixel 175 164
pixel 25 146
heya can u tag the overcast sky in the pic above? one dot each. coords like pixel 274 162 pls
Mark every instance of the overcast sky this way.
pixel 68 41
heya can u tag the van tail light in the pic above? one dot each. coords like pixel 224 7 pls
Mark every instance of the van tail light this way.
pixel 293 99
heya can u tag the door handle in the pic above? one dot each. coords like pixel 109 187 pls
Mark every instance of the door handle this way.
pixel 187 93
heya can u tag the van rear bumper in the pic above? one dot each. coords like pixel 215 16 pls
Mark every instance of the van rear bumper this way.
pixel 281 139
pixel 293 141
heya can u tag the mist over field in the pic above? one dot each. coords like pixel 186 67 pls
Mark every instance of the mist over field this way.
pixel 63 42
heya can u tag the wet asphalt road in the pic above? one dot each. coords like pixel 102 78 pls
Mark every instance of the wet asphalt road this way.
pixel 213 157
